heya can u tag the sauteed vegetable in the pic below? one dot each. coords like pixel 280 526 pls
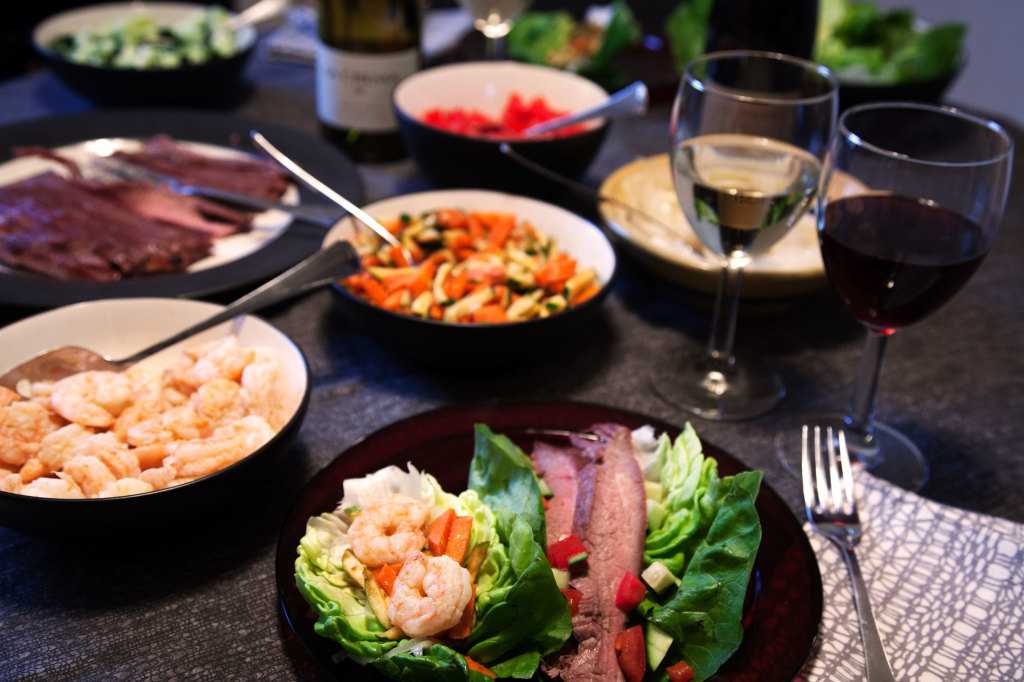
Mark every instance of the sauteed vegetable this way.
pixel 471 267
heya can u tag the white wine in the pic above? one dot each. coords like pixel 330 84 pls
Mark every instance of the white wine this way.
pixel 365 48
pixel 742 193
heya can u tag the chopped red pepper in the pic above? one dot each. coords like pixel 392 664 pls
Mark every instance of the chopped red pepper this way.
pixel 574 597
pixel 680 672
pixel 632 653
pixel 630 593
pixel 567 551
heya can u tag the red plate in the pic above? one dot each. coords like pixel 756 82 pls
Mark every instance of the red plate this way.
pixel 786 600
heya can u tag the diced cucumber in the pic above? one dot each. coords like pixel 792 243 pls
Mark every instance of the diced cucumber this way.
pixel 545 491
pixel 658 641
pixel 561 577
pixel 658 577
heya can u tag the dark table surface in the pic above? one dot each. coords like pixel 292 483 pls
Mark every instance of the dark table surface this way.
pixel 200 601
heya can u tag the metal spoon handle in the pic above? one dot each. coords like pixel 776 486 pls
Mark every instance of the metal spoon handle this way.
pixel 337 261
pixel 629 101
pixel 318 186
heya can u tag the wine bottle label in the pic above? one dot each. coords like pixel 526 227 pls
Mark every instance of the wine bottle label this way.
pixel 353 89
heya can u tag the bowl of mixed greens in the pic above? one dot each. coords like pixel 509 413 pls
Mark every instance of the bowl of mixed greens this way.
pixel 880 54
pixel 147 53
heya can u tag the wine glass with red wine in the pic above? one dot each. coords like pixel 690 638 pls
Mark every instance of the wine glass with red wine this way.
pixel 749 131
pixel 922 196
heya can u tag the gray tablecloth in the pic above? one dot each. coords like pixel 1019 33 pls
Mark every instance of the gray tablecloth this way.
pixel 200 602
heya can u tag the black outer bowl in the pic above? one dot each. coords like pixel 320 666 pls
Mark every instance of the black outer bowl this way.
pixel 449 160
pixel 928 91
pixel 207 83
pixel 444 344
pixel 161 509
pixel 204 84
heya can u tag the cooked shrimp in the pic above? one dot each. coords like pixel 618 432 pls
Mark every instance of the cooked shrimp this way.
pixel 263 387
pixel 93 398
pixel 125 486
pixel 23 425
pixel 159 477
pixel 429 595
pixel 114 453
pixel 56 448
pixel 10 483
pixel 219 401
pixel 88 472
pixel 387 531
pixel 221 358
pixel 177 423
pixel 7 396
pixel 227 445
pixel 62 487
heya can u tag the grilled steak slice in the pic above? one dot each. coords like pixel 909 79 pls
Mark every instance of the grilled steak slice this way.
pixel 62 228
pixel 559 467
pixel 253 176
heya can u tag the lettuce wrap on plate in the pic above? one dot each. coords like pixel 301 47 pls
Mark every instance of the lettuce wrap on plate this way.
pixel 397 599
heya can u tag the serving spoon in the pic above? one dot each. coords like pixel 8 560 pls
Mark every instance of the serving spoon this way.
pixel 629 101
pixel 337 261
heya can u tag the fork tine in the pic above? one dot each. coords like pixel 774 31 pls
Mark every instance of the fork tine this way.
pixel 835 482
pixel 824 495
pixel 805 471
pixel 847 478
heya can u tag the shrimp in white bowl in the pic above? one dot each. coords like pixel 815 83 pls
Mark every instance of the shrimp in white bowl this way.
pixel 430 595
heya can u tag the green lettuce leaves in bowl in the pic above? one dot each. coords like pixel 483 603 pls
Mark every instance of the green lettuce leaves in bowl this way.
pixel 520 613
pixel 862 43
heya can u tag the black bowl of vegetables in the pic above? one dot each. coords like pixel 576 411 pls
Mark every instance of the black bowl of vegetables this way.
pixel 454 119
pixel 142 53
pixel 498 279
pixel 887 55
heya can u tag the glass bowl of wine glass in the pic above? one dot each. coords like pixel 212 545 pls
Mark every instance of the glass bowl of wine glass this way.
pixel 934 182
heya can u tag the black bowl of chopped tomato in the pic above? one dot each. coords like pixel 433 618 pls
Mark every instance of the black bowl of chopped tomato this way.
pixel 444 326
pixel 454 118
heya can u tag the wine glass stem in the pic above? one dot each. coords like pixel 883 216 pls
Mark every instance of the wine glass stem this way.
pixel 865 390
pixel 723 320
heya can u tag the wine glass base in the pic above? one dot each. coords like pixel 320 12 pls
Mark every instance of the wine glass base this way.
pixel 889 455
pixel 720 394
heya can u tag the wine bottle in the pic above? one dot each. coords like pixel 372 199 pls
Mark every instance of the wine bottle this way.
pixel 365 48
pixel 786 26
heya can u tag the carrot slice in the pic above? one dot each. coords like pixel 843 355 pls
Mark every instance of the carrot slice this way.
pixel 555 273
pixel 492 313
pixel 437 537
pixel 461 629
pixel 458 538
pixel 451 218
pixel 374 290
pixel 586 294
pixel 478 667
pixel 501 225
pixel 454 287
pixel 385 576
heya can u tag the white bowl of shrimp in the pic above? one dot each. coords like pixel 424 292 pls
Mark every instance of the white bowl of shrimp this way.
pixel 179 431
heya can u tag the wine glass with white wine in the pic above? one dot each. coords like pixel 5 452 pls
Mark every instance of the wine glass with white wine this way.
pixel 749 130
pixel 494 19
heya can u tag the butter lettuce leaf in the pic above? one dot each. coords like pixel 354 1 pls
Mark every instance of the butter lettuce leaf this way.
pixel 708 540
pixel 520 614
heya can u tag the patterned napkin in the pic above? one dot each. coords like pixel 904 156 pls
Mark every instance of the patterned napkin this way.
pixel 947 589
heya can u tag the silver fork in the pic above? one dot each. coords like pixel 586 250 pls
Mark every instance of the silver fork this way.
pixel 828 499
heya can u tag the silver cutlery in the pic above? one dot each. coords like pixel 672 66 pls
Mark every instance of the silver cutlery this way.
pixel 323 215
pixel 337 261
pixel 317 185
pixel 828 500
pixel 629 101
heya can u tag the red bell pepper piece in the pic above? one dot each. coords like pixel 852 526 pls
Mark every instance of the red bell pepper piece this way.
pixel 680 672
pixel 632 653
pixel 568 551
pixel 574 597
pixel 630 593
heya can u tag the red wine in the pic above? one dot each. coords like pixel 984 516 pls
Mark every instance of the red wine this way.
pixel 893 260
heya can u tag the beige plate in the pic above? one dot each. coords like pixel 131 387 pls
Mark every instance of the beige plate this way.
pixel 790 268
